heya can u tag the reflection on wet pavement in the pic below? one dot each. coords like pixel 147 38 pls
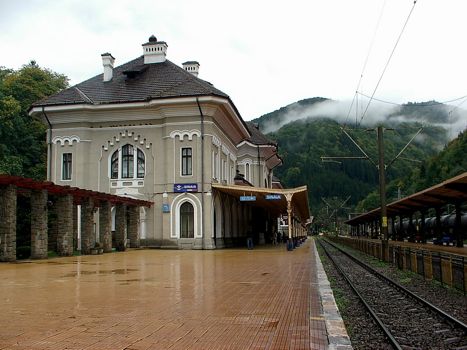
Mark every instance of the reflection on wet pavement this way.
pixel 157 299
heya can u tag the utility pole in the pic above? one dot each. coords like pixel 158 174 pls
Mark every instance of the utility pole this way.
pixel 382 167
pixel 382 194
pixel 335 210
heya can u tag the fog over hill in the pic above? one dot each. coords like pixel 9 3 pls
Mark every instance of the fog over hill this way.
pixel 453 118
pixel 308 129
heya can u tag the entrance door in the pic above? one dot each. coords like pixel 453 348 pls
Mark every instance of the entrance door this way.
pixel 187 222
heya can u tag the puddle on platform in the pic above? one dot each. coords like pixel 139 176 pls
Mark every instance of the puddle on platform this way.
pixel 54 262
pixel 100 272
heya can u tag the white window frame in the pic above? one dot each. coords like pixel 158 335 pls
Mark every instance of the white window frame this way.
pixel 119 164
pixel 181 162
pixel 63 167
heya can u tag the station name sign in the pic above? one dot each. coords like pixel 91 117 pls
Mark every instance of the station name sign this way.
pixel 273 197
pixel 185 187
pixel 247 198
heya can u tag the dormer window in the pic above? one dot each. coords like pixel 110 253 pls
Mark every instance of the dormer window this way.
pixel 127 162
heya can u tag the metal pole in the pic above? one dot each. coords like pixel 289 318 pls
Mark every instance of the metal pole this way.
pixel 288 197
pixel 382 193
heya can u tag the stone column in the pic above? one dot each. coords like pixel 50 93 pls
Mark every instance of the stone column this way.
pixel 64 208
pixel 8 223
pixel 87 225
pixel 53 214
pixel 39 229
pixel 133 221
pixel 105 226
pixel 75 227
pixel 120 227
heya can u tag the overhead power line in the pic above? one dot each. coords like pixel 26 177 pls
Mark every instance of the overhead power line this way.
pixel 387 63
pixel 430 104
pixel 365 63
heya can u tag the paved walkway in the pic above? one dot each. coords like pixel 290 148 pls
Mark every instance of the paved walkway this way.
pixel 264 298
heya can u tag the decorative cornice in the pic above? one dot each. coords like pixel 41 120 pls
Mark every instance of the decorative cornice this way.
pixel 64 139
pixel 182 133
pixel 127 136
pixel 216 141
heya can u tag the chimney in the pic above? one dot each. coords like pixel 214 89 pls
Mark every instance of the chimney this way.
pixel 108 63
pixel 191 67
pixel 154 51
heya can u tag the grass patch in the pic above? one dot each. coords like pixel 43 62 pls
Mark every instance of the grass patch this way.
pixel 52 254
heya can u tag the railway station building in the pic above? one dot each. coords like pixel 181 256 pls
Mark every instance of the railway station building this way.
pixel 154 131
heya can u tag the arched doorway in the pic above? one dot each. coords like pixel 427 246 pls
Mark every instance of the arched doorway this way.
pixel 187 220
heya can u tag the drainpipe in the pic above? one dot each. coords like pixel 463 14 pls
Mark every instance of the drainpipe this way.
pixel 49 147
pixel 202 170
pixel 259 167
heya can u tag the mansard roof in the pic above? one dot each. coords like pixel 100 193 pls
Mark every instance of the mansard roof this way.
pixel 135 82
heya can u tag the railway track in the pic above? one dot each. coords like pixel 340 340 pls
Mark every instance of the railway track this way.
pixel 408 321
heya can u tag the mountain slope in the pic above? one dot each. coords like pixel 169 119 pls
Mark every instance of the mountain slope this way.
pixel 305 133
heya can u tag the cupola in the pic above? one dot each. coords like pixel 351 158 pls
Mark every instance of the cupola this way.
pixel 191 67
pixel 154 51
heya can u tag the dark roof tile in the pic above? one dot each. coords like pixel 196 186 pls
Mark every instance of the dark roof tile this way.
pixel 257 137
pixel 132 82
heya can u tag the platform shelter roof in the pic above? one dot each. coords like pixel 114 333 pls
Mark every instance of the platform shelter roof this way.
pixel 277 204
pixel 450 191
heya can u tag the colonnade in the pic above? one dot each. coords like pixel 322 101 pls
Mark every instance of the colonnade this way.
pixel 236 221
pixel 73 227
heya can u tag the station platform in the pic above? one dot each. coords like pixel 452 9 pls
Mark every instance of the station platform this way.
pixel 265 298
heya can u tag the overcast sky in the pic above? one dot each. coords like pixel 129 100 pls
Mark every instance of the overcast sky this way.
pixel 264 54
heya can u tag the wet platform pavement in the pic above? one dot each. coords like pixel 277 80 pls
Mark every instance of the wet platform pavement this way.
pixel 266 298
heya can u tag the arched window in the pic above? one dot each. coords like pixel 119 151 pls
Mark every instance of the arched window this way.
pixel 247 171
pixel 125 163
pixel 140 164
pixel 114 166
pixel 187 222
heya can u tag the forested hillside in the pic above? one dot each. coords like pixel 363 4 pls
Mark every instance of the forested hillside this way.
pixel 305 133
pixel 451 161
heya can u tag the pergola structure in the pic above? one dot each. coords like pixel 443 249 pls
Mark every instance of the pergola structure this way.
pixel 452 191
pixel 74 208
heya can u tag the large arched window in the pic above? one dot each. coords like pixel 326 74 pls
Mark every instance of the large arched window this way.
pixel 125 163
pixel 187 222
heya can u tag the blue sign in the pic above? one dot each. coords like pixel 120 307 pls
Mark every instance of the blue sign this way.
pixel 273 197
pixel 185 187
pixel 247 198
pixel 165 208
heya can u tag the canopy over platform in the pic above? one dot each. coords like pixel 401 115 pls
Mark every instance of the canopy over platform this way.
pixel 277 205
pixel 453 190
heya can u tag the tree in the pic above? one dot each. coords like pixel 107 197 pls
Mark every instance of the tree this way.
pixel 22 138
